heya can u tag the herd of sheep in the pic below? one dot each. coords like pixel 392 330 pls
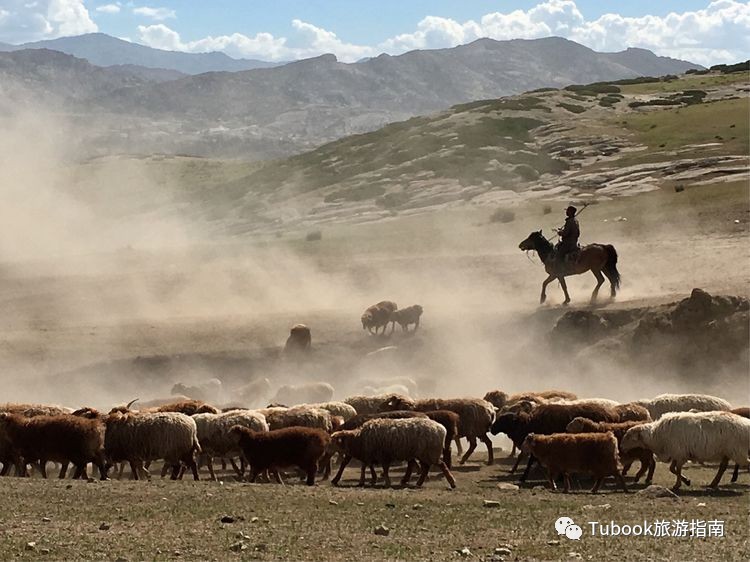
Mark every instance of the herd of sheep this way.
pixel 566 435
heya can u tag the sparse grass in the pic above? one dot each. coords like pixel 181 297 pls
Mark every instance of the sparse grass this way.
pixel 713 80
pixel 180 520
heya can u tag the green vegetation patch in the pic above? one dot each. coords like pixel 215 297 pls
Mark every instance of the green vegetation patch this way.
pixel 573 108
pixel 596 87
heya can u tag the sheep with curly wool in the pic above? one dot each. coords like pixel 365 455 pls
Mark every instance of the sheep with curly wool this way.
pixel 384 441
pixel 216 439
pixel 299 416
pixel 664 403
pixel 679 437
pixel 369 404
pixel 341 409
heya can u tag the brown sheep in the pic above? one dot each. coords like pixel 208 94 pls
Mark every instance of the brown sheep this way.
pixel 31 410
pixel 546 419
pixel 475 417
pixel 631 411
pixel 564 453
pixel 501 400
pixel 378 316
pixel 299 340
pixel 404 317
pixel 302 447
pixel 646 457
pixel 188 407
pixel 64 439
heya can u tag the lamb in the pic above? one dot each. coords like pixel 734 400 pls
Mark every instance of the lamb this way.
pixel 378 316
pixel 703 436
pixel 369 404
pixel 646 457
pixel 302 447
pixel 593 453
pixel 144 437
pixel 61 438
pixel 665 403
pixel 404 317
pixel 546 419
pixel 215 437
pixel 314 392
pixel 384 441
pixel 208 391
pixel 341 409
pixel 475 415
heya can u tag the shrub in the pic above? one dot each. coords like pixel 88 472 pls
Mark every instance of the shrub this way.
pixel 314 235
pixel 503 215
pixel 573 108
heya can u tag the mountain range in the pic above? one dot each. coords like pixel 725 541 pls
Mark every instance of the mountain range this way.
pixel 270 112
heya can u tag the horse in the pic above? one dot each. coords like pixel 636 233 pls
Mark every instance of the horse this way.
pixel 597 258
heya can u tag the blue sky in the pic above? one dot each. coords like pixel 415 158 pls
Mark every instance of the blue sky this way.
pixel 701 31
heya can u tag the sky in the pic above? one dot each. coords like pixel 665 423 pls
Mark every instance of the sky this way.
pixel 278 30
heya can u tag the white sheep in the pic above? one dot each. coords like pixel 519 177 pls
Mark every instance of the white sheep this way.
pixel 216 439
pixel 292 394
pixel 383 441
pixel 369 404
pixel 685 436
pixel 664 403
pixel 341 409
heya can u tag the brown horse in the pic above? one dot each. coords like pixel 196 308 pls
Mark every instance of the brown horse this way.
pixel 597 258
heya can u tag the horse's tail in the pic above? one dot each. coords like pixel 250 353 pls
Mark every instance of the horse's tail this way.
pixel 610 267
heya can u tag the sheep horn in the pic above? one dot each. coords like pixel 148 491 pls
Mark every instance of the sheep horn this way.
pixel 131 403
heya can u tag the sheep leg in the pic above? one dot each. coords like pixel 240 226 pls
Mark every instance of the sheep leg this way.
pixel 347 459
pixel 164 469
pixel 386 477
pixel 63 471
pixel 79 471
pixel 525 474
pixel 490 453
pixel 447 473
pixel 626 466
pixel 373 474
pixel 425 469
pixel 43 467
pixel 512 452
pixel 676 469
pixel 735 474
pixel 101 464
pixel 254 471
pixel 189 461
pixel 311 471
pixel 722 467
pixel 518 461
pixel 472 445
pixel 362 474
pixel 407 474
pixel 598 484
pixel 210 466
pixel 447 454
pixel 651 468
pixel 621 481
pixel 240 470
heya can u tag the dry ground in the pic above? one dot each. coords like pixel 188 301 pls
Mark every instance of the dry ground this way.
pixel 165 520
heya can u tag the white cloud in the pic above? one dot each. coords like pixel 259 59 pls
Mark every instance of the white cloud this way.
pixel 158 14
pixel 109 9
pixel 22 21
pixel 718 33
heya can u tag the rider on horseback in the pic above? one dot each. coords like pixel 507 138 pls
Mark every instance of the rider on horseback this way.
pixel 568 234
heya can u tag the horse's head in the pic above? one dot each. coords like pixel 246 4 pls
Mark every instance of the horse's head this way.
pixel 532 242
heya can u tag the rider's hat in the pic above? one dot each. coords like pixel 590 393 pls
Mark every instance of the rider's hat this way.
pixel 570 209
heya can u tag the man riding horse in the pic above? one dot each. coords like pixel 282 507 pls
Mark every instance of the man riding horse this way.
pixel 568 259
pixel 569 234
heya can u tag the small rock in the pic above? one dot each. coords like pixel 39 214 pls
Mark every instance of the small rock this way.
pixel 702 504
pixel 238 546
pixel 254 520
pixel 417 506
pixel 553 543
pixel 105 527
pixel 736 221
pixel 360 504
pixel 227 519
pixel 406 515
pixel 507 486
pixel 576 555
pixel 502 551
pixel 604 506
pixel 261 547
pixel 69 486
pixel 47 519
pixel 333 502
pixel 382 530
pixel 30 545
pixel 390 505
pixel 44 550
pixel 242 535
pixel 121 559
pixel 655 491
pixel 491 503
pixel 465 552
pixel 177 553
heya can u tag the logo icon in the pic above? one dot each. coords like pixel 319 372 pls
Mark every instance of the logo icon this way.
pixel 566 526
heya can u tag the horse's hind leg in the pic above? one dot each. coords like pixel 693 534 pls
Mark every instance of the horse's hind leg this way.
pixel 546 282
pixel 612 284
pixel 599 283
pixel 564 286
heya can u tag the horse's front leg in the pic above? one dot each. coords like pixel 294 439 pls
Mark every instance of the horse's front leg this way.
pixel 565 289
pixel 544 288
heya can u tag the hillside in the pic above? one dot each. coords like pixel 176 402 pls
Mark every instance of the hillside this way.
pixel 273 112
